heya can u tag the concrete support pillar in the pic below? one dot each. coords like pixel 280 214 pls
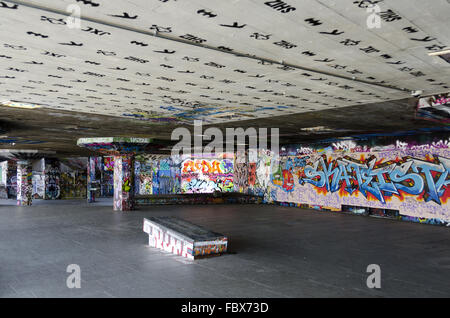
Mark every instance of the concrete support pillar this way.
pixel 3 179
pixel 241 172
pixel 52 179
pixel 124 182
pixel 24 183
pixel 91 186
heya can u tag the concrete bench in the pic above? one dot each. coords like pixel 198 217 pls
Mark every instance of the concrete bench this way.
pixel 197 198
pixel 183 238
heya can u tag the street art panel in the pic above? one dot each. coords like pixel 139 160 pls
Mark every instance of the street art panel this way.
pixel 52 180
pixel 168 176
pixel 435 108
pixel 24 184
pixel 107 185
pixel 73 185
pixel 155 179
pixel 425 140
pixel 123 183
pixel 108 164
pixel 11 180
pixel 416 186
pixel 252 174
pixel 241 170
pixel 74 175
pixel 259 176
pixel 107 177
pixel 207 175
pixel 143 177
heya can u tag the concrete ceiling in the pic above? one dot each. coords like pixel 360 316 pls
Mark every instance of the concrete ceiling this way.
pixel 116 67
pixel 142 67
pixel 59 130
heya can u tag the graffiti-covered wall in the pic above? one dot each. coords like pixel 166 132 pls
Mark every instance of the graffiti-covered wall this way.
pixel 100 176
pixel 169 176
pixel 24 183
pixel 38 179
pixel 260 176
pixel 207 175
pixel 38 185
pixel 107 177
pixel 52 179
pixel 157 174
pixel 123 183
pixel 413 180
pixel 144 177
pixel 241 174
pixel 73 185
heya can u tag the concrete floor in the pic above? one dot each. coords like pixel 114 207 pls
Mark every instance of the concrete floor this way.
pixel 280 252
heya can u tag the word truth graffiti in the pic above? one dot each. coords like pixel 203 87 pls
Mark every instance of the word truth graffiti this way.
pixel 427 179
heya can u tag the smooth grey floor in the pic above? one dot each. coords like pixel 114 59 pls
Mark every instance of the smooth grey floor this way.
pixel 279 252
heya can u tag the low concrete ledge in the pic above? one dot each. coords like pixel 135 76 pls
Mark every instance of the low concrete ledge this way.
pixel 196 198
pixel 183 238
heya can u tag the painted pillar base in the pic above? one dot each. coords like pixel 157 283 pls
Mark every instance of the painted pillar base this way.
pixel 124 183
pixel 24 183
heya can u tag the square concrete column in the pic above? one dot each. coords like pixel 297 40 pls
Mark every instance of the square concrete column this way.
pixel 24 183
pixel 124 182
pixel 91 186
pixel 52 179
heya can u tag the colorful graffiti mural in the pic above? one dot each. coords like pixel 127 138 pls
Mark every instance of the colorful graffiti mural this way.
pixel 73 185
pixel 52 180
pixel 416 186
pixel 106 176
pixel 107 184
pixel 241 177
pixel 123 183
pixel 38 185
pixel 145 179
pixel 252 174
pixel 167 176
pixel 24 184
pixel 100 177
pixel 434 108
pixel 11 180
pixel 262 184
pixel 108 163
pixel 422 139
pixel 207 175
pixel 117 145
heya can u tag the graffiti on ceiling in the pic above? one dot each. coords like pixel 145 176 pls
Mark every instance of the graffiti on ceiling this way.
pixel 219 61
